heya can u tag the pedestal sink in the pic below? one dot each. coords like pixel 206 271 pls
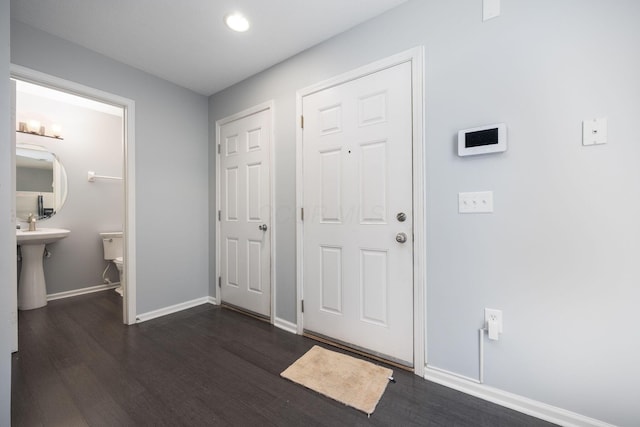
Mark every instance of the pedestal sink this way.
pixel 32 289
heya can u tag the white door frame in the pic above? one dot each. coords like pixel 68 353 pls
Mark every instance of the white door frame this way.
pixel 13 269
pixel 268 105
pixel 415 57
pixel 128 105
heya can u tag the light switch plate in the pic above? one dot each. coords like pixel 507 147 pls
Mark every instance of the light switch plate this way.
pixel 478 202
pixel 594 131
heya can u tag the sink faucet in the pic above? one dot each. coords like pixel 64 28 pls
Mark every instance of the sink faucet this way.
pixel 32 222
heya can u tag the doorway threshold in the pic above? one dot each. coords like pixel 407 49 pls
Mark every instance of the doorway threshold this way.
pixel 387 360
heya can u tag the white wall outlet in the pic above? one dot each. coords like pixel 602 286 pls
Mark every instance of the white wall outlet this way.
pixel 594 131
pixel 478 202
pixel 493 323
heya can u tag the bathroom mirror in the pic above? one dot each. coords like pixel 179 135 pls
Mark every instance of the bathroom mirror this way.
pixel 41 182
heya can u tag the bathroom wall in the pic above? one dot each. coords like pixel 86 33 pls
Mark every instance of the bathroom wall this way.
pixel 171 148
pixel 7 232
pixel 92 141
pixel 559 255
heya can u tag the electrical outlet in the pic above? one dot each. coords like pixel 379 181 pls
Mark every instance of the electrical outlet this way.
pixel 493 315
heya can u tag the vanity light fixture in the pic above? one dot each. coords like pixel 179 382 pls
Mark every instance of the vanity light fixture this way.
pixel 237 22
pixel 33 126
pixel 56 130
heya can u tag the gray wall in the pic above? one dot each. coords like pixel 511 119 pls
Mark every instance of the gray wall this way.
pixel 171 163
pixel 559 256
pixel 33 179
pixel 92 141
pixel 7 233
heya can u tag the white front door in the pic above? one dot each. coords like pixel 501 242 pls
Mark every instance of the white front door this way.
pixel 245 212
pixel 358 213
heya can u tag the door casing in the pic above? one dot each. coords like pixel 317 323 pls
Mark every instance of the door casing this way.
pixel 268 105
pixel 128 106
pixel 415 57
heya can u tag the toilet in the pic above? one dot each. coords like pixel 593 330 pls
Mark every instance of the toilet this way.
pixel 113 251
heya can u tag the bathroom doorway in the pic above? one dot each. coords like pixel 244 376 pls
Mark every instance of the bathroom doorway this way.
pixel 121 111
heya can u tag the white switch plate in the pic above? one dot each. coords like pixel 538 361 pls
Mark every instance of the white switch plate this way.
pixel 594 131
pixel 490 9
pixel 478 202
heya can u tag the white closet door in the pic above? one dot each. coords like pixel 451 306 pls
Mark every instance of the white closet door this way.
pixel 245 241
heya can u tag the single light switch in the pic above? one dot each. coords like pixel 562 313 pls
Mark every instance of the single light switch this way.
pixel 478 202
pixel 490 9
pixel 594 131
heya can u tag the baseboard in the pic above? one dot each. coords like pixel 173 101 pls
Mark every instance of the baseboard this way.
pixel 171 309
pixel 212 300
pixel 82 291
pixel 516 402
pixel 285 325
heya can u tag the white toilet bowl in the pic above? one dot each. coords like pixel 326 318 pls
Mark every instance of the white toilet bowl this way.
pixel 113 251
pixel 120 266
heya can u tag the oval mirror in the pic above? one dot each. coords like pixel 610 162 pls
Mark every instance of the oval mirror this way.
pixel 41 182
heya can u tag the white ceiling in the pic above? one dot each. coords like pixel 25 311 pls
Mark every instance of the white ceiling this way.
pixel 186 41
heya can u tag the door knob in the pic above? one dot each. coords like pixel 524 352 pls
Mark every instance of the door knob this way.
pixel 401 237
pixel 262 227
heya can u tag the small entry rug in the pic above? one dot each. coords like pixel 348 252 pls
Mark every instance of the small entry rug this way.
pixel 354 382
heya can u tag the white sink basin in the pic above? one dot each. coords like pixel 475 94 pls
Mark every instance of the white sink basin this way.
pixel 41 236
pixel 32 289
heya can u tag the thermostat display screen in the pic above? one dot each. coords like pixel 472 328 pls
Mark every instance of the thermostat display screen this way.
pixel 481 137
pixel 482 140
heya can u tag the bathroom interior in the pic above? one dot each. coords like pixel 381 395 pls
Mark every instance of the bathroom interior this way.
pixel 69 176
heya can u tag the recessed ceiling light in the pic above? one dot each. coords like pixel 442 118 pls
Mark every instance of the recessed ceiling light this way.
pixel 236 22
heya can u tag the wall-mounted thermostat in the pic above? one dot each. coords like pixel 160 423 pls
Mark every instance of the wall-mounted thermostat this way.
pixel 482 140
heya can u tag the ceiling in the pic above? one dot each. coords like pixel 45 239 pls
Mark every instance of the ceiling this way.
pixel 186 41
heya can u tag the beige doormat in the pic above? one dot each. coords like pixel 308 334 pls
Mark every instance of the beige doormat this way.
pixel 354 382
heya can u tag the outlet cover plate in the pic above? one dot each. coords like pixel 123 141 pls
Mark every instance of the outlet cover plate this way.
pixel 490 313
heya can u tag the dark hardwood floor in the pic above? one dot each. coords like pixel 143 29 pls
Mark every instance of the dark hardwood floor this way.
pixel 78 365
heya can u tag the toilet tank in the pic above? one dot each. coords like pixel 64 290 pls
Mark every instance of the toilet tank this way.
pixel 112 244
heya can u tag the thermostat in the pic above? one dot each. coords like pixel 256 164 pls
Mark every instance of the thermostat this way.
pixel 482 140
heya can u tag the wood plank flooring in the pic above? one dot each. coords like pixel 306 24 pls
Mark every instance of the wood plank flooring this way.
pixel 78 365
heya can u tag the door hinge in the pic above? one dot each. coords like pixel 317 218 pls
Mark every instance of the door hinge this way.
pixel 302 305
pixel 218 148
pixel 219 281
pixel 301 214
pixel 302 122
pixel 220 215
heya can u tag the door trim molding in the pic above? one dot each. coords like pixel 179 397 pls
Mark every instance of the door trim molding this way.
pixel 267 105
pixel 416 57
pixel 128 107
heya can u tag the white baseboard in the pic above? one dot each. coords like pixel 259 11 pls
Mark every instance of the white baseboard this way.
pixel 512 401
pixel 212 300
pixel 285 325
pixel 82 291
pixel 171 309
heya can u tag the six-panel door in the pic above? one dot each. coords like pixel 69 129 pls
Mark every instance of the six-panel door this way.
pixel 358 221
pixel 246 213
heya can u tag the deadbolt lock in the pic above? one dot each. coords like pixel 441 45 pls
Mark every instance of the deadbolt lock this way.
pixel 401 217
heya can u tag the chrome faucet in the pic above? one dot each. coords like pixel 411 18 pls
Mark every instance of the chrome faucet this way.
pixel 31 220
